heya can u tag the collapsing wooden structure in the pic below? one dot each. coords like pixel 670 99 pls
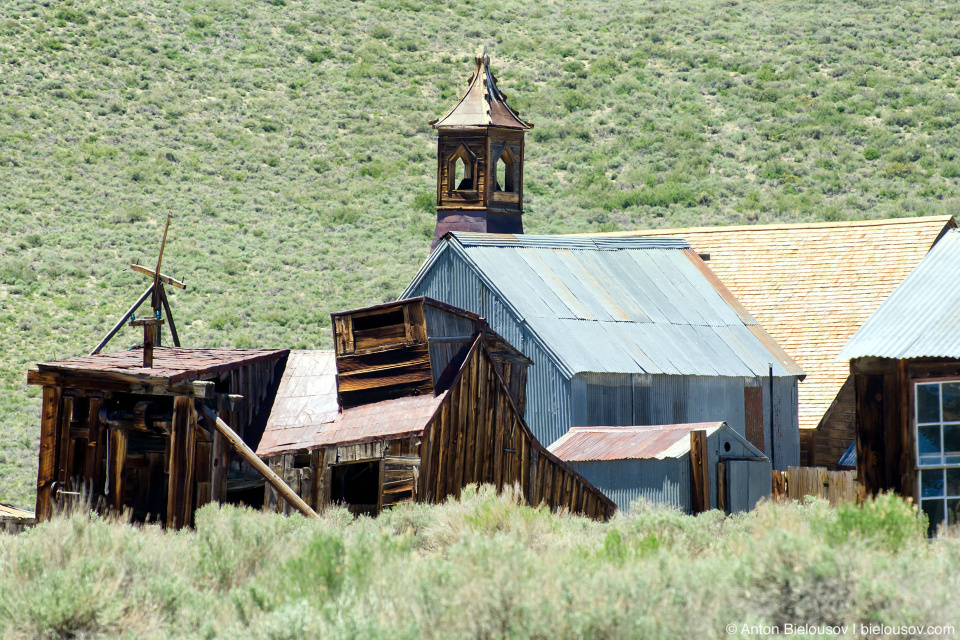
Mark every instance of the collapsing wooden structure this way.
pixel 128 437
pixel 418 400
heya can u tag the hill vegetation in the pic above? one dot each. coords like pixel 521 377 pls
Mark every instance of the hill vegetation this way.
pixel 483 567
pixel 290 141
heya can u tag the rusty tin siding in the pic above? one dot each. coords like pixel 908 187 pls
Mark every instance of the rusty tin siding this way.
pixel 666 480
pixel 642 399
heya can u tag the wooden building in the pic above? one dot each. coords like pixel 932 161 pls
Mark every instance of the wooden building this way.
pixel 905 364
pixel 811 286
pixel 128 437
pixel 417 401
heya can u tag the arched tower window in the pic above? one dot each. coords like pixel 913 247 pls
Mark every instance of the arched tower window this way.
pixel 505 172
pixel 461 169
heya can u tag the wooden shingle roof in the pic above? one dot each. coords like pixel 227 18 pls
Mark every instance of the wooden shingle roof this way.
pixel 811 286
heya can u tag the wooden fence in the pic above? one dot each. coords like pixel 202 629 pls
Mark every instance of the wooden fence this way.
pixel 798 482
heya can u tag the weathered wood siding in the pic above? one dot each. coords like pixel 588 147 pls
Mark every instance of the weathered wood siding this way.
pixel 836 431
pixel 885 424
pixel 479 436
pixel 162 471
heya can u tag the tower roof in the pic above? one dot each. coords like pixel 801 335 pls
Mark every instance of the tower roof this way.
pixel 482 104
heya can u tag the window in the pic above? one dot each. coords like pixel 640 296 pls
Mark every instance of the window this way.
pixel 504 172
pixel 937 410
pixel 460 168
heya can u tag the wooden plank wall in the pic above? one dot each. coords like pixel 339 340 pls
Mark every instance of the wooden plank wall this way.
pixel 80 454
pixel 836 430
pixel 386 361
pixel 796 483
pixel 478 436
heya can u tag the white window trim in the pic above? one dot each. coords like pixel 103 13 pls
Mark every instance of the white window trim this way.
pixel 942 465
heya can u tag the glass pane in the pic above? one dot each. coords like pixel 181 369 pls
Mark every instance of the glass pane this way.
pixel 951 443
pixel 951 401
pixel 953 511
pixel 928 403
pixel 928 444
pixel 931 483
pixel 953 482
pixel 934 511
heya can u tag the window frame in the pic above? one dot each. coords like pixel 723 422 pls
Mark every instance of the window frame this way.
pixel 942 465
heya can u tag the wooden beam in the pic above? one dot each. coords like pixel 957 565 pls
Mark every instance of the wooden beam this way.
pixel 247 454
pixel 163 278
pixel 183 435
pixel 116 460
pixel 122 321
pixel 699 473
pixel 173 326
pixel 49 421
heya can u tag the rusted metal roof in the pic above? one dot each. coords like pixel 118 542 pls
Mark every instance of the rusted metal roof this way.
pixel 921 318
pixel 811 285
pixel 582 444
pixel 305 413
pixel 306 397
pixel 170 364
pixel 619 305
pixel 482 104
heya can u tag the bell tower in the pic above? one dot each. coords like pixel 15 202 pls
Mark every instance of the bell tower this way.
pixel 480 160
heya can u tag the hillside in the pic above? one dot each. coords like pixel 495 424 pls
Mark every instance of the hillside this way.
pixel 290 141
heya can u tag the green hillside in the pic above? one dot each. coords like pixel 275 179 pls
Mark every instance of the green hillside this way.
pixel 290 141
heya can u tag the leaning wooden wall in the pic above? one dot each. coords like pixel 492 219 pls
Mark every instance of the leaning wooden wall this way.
pixel 479 436
pixel 836 430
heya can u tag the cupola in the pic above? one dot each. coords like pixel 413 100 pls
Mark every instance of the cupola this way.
pixel 480 160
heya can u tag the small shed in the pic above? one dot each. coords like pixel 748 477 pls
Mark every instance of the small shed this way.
pixel 905 363
pixel 418 400
pixel 128 436
pixel 663 464
pixel 623 331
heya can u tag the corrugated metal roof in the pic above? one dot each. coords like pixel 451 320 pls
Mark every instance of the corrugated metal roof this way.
pixel 811 285
pixel 582 444
pixel 849 457
pixel 921 318
pixel 621 305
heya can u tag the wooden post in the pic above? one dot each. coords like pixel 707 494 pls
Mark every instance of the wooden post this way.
pixel 722 486
pixel 93 466
pixel 699 474
pixel 46 473
pixel 115 465
pixel 251 458
pixel 182 448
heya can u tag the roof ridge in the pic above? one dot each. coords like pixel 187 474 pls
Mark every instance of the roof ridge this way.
pixel 775 226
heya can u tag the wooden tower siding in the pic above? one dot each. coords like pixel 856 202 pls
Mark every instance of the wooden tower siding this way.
pixel 886 438
pixel 155 461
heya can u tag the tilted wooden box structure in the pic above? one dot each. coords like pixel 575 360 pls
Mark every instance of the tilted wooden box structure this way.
pixel 418 400
pixel 905 364
pixel 129 436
